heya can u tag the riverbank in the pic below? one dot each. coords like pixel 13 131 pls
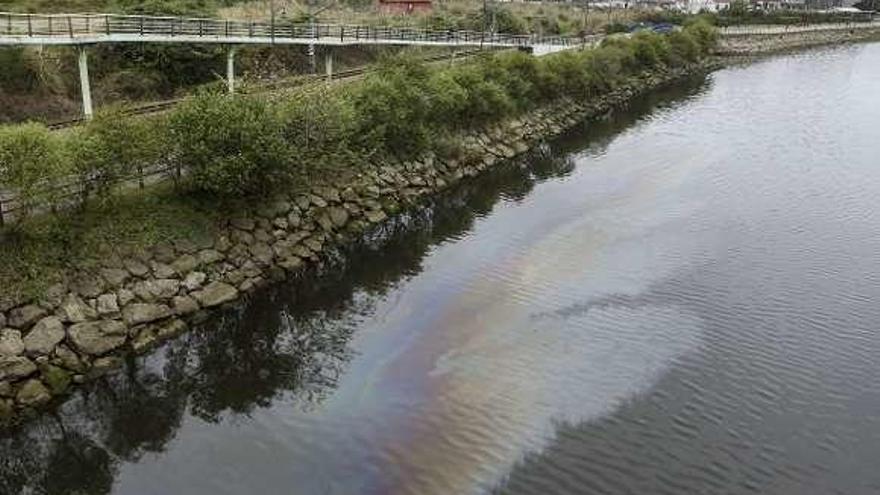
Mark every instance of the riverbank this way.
pixel 129 303
pixel 760 44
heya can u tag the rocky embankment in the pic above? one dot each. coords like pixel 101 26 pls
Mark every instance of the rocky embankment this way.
pixel 131 303
pixel 753 44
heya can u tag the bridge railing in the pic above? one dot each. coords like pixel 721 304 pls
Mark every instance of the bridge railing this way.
pixel 91 26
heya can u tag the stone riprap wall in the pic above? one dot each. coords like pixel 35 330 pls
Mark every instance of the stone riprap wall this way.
pixel 751 44
pixel 79 331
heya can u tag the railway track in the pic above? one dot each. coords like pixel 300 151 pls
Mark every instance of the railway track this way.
pixel 165 105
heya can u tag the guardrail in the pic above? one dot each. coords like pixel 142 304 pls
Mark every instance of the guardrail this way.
pixel 91 28
pixel 771 29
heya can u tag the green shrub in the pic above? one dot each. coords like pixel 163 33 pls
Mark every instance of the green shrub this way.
pixel 393 108
pixel 704 34
pixel 32 161
pixel 318 129
pixel 113 147
pixel 229 146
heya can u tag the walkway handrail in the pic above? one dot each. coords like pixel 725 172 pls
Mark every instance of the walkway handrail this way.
pixel 770 29
pixel 98 26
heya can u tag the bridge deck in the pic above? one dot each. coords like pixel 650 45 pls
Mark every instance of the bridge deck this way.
pixel 81 29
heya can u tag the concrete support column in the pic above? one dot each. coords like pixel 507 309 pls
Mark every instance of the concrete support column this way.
pixel 328 64
pixel 230 69
pixel 84 84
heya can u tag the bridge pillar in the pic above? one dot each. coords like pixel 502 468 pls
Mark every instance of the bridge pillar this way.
pixel 84 85
pixel 230 69
pixel 328 64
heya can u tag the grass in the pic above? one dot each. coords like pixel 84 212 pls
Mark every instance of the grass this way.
pixel 33 259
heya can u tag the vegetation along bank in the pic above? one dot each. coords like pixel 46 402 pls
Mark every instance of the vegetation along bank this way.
pixel 127 229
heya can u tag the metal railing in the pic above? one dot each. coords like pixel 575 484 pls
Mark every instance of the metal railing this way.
pixel 90 28
pixel 771 29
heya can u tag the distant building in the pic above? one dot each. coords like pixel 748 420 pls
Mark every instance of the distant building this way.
pixel 404 7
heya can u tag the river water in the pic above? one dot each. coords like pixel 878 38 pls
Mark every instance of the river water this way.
pixel 681 299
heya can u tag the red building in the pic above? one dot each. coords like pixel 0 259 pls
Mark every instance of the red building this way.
pixel 404 7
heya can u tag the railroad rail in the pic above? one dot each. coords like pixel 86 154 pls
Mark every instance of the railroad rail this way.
pixel 164 105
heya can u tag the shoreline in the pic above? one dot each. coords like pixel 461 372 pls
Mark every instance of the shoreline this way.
pixel 129 305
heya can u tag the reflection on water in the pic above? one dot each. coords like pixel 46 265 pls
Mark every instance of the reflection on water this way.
pixel 677 300
pixel 286 349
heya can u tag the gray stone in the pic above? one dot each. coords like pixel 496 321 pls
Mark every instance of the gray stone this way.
pixel 243 223
pixel 164 253
pixel 10 342
pixel 294 220
pixel 262 253
pixel 108 304
pixel 124 296
pixel 136 268
pixel 33 393
pixel 302 202
pixel 102 365
pixel 68 359
pixel 216 294
pixel 314 243
pixel 144 340
pixel 349 195
pixel 185 264
pixel 88 286
pixel 375 216
pixel 261 235
pixel 170 329
pixel 194 281
pixel 150 290
pixel 165 288
pixel 139 313
pixel 280 223
pixel 97 337
pixel 325 222
pixel 45 335
pixel 302 251
pixel 328 193
pixel 339 216
pixel 291 264
pixel 115 277
pixel 161 270
pixel 318 201
pixel 209 256
pixel 75 310
pixel 14 367
pixel 5 389
pixel 281 207
pixel 53 297
pixel 25 316
pixel 2 319
pixel 184 305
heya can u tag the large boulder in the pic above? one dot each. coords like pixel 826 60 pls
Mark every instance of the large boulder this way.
pixel 185 264
pixel 14 367
pixel 10 342
pixel 108 304
pixel 45 335
pixel 139 313
pixel 97 337
pixel 75 310
pixel 215 294
pixel 32 393
pixel 25 316
pixel 194 281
